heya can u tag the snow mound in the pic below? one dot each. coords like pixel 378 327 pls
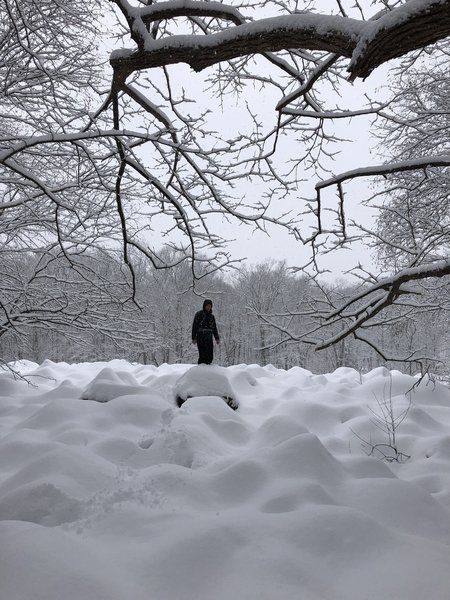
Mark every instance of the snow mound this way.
pixel 110 384
pixel 206 380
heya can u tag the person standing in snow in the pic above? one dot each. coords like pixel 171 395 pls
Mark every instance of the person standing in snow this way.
pixel 203 329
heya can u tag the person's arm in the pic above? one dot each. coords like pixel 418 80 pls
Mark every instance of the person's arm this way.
pixel 215 332
pixel 195 325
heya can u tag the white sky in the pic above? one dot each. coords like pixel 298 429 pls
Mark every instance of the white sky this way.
pixel 359 151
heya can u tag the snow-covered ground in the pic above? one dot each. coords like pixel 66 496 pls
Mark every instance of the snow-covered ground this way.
pixel 109 491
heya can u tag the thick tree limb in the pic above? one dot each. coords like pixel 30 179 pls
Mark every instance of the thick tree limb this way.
pixel 411 26
pixel 367 43
pixel 315 32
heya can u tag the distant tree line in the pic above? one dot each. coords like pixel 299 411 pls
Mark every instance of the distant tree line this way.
pixel 266 315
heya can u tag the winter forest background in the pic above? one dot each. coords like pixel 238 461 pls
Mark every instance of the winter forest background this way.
pixel 124 175
pixel 161 331
pixel 146 149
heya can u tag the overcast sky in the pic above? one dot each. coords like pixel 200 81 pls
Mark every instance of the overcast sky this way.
pixel 357 152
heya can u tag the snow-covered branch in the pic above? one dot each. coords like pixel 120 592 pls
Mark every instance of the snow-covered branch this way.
pixel 382 294
pixel 367 44
pixel 414 164
pixel 190 8
pixel 315 32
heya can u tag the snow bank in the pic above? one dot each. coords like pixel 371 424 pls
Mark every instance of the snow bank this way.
pixel 130 496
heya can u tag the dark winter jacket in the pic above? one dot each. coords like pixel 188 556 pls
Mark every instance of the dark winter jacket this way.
pixel 204 324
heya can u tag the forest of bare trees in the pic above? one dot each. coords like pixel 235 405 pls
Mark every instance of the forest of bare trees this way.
pixel 158 329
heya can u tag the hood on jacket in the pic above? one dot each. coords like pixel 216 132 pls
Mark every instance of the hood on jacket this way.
pixel 207 302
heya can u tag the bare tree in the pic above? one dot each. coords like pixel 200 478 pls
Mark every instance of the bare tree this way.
pixel 263 287
pixel 412 234
pixel 44 297
pixel 388 418
pixel 413 226
pixel 125 156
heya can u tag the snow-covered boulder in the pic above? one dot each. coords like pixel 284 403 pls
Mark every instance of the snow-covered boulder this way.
pixel 205 380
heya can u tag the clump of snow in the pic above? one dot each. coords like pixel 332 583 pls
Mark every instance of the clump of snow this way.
pixel 109 384
pixel 133 497
pixel 205 380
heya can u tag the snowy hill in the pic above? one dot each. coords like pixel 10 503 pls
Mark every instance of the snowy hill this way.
pixel 109 491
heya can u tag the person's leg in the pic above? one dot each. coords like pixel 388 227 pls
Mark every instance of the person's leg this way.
pixel 205 349
pixel 209 350
pixel 201 349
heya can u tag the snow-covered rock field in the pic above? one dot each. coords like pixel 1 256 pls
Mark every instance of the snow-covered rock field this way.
pixel 109 491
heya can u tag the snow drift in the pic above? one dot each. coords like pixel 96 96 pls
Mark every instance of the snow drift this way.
pixel 108 490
